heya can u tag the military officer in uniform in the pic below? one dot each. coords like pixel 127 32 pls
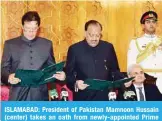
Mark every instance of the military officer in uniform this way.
pixel 28 52
pixel 147 49
pixel 90 58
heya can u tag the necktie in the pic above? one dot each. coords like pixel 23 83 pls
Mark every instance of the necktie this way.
pixel 141 96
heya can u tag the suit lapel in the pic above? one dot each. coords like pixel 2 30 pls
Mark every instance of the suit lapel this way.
pixel 133 89
pixel 146 92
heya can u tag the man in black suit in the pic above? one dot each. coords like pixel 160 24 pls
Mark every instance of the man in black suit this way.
pixel 28 52
pixel 144 92
pixel 90 58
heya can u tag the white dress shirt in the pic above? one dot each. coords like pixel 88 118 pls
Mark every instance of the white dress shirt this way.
pixel 137 91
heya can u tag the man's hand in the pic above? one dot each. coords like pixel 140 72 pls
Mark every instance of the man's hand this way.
pixel 80 85
pixel 128 84
pixel 12 79
pixel 60 75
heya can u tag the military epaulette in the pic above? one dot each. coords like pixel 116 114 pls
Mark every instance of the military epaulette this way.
pixel 159 37
pixel 135 38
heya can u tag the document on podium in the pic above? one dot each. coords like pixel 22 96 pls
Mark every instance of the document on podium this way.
pixel 38 77
pixel 97 84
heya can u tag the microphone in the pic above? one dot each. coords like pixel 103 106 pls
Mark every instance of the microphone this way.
pixel 54 95
pixel 130 95
pixel 112 96
pixel 64 94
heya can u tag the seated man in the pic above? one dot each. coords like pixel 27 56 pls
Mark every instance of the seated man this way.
pixel 144 92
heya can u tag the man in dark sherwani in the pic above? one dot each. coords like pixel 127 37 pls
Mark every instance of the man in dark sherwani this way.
pixel 28 52
pixel 90 58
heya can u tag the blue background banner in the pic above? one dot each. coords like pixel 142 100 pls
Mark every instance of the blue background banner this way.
pixel 81 111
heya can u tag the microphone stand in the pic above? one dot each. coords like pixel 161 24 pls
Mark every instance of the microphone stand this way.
pixel 112 94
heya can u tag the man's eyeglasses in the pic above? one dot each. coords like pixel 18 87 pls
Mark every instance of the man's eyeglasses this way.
pixel 94 35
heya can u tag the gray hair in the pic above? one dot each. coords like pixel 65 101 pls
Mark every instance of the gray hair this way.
pixel 131 67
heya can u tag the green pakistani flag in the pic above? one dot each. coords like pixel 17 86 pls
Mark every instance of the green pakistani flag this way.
pixel 97 84
pixel 50 70
pixel 53 93
pixel 38 77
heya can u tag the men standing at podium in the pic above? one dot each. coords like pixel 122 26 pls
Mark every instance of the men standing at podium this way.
pixel 90 58
pixel 28 52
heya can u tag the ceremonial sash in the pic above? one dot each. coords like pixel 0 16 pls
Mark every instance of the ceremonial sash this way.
pixel 150 49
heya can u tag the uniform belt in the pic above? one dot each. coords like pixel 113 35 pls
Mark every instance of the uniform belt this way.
pixel 153 70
